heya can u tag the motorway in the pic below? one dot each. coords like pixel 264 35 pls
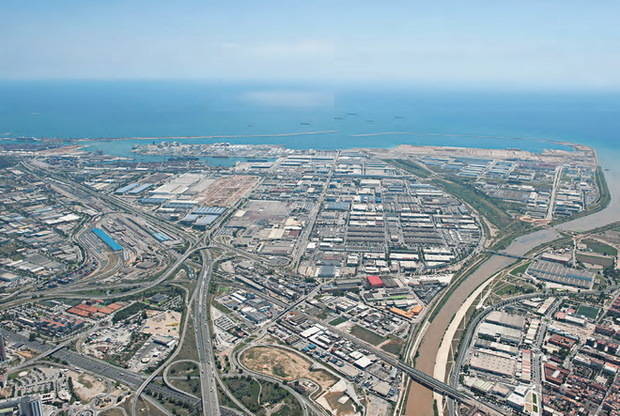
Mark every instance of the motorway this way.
pixel 200 316
pixel 208 382
pixel 201 326
pixel 416 375
pixel 95 366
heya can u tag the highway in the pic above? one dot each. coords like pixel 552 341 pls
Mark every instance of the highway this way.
pixel 200 316
pixel 554 193
pixel 418 376
pixel 208 382
pixel 421 377
pixel 102 368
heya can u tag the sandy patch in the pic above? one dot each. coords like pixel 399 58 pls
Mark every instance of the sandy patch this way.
pixel 285 365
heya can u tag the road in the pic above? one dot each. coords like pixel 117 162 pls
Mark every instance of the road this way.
pixel 419 401
pixel 554 193
pixel 306 404
pixel 102 368
pixel 208 382
pixel 302 241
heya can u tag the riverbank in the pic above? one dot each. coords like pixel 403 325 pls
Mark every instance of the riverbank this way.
pixel 420 399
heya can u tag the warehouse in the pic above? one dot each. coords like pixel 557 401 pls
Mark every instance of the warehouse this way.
pixel 375 282
pixel 502 318
pixel 557 273
pixel 109 241
pixel 494 364
pixel 492 332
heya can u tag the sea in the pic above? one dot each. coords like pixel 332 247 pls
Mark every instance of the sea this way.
pixel 308 116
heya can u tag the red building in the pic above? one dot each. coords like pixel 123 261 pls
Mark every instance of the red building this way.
pixel 375 281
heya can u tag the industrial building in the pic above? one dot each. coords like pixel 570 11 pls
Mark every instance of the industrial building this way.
pixel 560 274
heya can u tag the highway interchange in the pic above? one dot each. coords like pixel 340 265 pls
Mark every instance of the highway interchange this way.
pixel 197 310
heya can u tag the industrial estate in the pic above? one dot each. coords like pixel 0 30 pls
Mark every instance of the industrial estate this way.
pixel 223 279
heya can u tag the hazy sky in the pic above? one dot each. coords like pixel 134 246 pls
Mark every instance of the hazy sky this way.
pixel 524 43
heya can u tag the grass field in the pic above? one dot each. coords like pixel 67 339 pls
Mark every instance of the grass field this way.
pixel 519 270
pixel 188 347
pixel 588 311
pixel 600 247
pixel 115 411
pixel 393 347
pixel 185 376
pixel 366 335
pixel 510 289
pixel 338 321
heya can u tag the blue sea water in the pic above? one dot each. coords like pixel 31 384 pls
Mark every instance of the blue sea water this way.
pixel 355 116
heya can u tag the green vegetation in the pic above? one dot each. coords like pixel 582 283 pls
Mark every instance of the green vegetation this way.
pixel 279 371
pixel 145 408
pixel 121 358
pixel 183 368
pixel 83 381
pixel 187 349
pixel 514 289
pixel 486 206
pixel 225 400
pixel 190 384
pixel 115 411
pixel 588 311
pixel 338 321
pixel 366 335
pixel 221 307
pixel 600 247
pixel 603 200
pixel 519 270
pixel 601 183
pixel 271 397
pixel 393 346
pixel 494 210
pixel 410 166
pixel 128 311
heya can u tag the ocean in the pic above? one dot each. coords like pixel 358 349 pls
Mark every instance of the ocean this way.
pixel 341 116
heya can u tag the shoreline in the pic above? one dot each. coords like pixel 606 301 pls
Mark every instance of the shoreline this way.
pixel 315 133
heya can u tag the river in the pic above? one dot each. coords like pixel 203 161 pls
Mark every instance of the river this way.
pixel 420 399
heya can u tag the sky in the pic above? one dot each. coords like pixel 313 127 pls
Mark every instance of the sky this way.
pixel 536 44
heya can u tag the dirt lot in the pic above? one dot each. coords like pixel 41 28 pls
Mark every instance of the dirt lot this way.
pixel 224 192
pixel 340 409
pixel 86 386
pixel 285 365
pixel 162 323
